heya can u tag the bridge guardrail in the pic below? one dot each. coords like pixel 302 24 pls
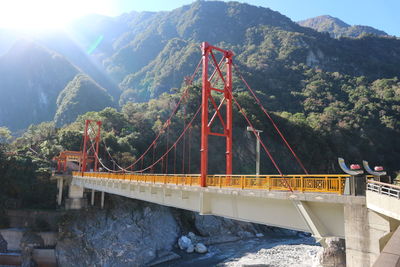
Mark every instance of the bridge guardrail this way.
pixel 304 183
pixel 177 179
pixel 384 188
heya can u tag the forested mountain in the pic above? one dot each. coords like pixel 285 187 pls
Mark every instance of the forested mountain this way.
pixel 338 28
pixel 31 79
pixel 335 96
pixel 81 95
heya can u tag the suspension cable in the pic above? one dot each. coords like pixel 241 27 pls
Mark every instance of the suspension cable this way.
pixel 259 139
pixel 189 148
pixel 177 140
pixel 167 123
pixel 271 119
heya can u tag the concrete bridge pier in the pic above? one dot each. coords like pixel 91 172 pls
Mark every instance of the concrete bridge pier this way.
pixel 366 234
pixel 92 197
pixel 60 184
pixel 75 200
pixel 102 199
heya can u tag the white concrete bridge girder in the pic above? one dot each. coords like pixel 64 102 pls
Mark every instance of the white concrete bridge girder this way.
pixel 320 214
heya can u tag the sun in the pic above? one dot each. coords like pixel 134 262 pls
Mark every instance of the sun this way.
pixel 46 14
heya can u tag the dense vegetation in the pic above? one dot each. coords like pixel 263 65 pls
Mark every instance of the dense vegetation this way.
pixel 140 55
pixel 331 97
pixel 80 95
pixel 337 28
pixel 24 177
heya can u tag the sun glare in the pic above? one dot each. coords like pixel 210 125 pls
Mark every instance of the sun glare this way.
pixel 46 14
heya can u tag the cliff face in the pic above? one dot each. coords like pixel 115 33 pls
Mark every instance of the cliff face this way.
pixel 31 79
pixel 135 233
pixel 129 234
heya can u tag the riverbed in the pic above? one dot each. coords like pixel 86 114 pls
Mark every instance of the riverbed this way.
pixel 271 251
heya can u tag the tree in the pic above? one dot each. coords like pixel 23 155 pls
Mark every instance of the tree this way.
pixel 5 135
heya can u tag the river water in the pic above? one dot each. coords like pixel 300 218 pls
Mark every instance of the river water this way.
pixel 267 251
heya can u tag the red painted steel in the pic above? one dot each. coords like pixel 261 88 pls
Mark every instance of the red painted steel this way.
pixel 207 51
pixel 91 151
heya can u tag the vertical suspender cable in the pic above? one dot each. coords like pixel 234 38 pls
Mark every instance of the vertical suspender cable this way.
pixel 166 164
pixel 189 148
pixel 184 138
pixel 272 121
pixel 174 158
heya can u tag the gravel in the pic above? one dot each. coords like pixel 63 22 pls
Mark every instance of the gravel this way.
pixel 280 256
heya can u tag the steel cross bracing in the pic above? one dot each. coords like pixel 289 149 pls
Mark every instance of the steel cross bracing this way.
pixel 216 80
pixel 207 87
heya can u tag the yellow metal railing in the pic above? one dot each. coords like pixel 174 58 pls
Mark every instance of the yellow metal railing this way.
pixel 177 179
pixel 303 183
pixel 331 183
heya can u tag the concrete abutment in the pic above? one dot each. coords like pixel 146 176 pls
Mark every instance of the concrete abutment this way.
pixel 366 234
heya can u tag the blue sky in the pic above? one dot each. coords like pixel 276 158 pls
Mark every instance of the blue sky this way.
pixel 42 14
pixel 381 14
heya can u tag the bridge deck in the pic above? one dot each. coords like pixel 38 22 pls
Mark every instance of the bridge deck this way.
pixel 304 183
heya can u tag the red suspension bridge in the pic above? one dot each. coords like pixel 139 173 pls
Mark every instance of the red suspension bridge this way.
pixel 216 85
pixel 301 202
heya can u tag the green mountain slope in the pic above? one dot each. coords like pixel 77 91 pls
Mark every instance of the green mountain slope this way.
pixel 334 97
pixel 81 95
pixel 337 28
pixel 31 79
pixel 256 35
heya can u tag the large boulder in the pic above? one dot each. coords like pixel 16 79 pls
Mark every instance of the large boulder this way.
pixel 200 248
pixel 128 233
pixel 3 244
pixel 334 255
pixel 184 242
pixel 208 225
pixel 29 242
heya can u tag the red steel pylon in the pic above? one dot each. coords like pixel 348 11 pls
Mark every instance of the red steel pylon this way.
pixel 207 51
pixel 91 142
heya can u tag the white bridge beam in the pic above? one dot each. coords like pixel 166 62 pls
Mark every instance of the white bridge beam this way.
pixel 319 213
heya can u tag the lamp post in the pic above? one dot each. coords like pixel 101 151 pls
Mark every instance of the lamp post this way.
pixel 250 129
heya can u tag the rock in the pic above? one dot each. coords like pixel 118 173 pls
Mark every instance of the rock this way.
pixel 217 239
pixel 200 248
pixel 190 249
pixel 184 242
pixel 3 244
pixel 164 257
pixel 194 238
pixel 191 235
pixel 127 233
pixel 29 241
pixel 334 255
pixel 303 234
pixel 208 225
pixel 245 234
pixel 259 235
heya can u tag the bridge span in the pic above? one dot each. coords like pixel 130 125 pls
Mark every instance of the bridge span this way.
pixel 319 204
pixel 324 205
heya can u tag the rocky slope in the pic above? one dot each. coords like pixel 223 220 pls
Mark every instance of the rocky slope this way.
pixel 136 233
pixel 131 234
pixel 31 79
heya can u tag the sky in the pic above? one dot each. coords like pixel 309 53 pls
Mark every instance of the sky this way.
pixel 381 14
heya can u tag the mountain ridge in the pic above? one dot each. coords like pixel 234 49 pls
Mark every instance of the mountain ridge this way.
pixel 142 55
pixel 338 28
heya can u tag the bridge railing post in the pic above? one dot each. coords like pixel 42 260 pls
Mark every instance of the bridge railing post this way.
pixel 326 184
pixel 302 183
